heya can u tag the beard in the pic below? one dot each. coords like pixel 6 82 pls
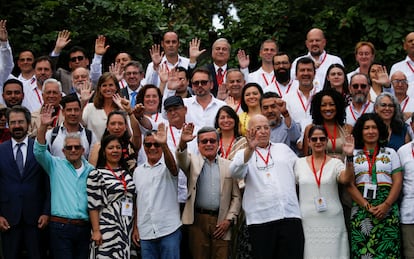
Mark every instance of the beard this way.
pixel 282 75
pixel 359 98
pixel 18 133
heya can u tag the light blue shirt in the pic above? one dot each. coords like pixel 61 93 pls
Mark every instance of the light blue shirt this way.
pixel 69 198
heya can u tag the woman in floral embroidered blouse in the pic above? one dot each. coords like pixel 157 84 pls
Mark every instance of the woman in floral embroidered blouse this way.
pixel 375 230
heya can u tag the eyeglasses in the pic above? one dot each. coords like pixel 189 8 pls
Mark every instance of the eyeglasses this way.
pixel 70 148
pixel 389 105
pixel 200 83
pixel 211 140
pixel 362 86
pixel 78 58
pixel 396 81
pixel 149 145
pixel 262 166
pixel 315 139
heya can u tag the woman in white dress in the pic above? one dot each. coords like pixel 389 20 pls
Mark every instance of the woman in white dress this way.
pixel 318 176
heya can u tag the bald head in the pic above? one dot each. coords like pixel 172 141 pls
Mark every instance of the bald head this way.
pixel 315 42
pixel 260 125
pixel 400 84
pixel 409 44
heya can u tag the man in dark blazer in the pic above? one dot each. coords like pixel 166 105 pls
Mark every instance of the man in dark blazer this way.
pixel 220 53
pixel 24 190
pixel 133 74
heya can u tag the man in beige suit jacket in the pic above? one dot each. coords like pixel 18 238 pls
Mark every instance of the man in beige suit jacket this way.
pixel 213 202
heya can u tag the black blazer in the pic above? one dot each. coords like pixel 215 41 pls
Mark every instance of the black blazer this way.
pixel 24 197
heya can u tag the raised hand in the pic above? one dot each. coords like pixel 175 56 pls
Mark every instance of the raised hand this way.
pixel 383 78
pixel 194 50
pixel 281 105
pixel 62 40
pixel 244 60
pixel 252 138
pixel 117 99
pixel 173 80
pixel 156 55
pixel 86 91
pixel 100 48
pixel 139 110
pixel 187 133
pixel 117 71
pixel 46 117
pixel 163 73
pixel 161 135
pixel 230 101
pixel 3 30
pixel 349 145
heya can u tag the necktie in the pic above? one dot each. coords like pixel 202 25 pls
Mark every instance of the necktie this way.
pixel 219 76
pixel 19 158
pixel 133 99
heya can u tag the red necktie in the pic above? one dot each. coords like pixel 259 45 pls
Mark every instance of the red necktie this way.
pixel 219 76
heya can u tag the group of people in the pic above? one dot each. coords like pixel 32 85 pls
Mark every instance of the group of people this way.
pixel 294 160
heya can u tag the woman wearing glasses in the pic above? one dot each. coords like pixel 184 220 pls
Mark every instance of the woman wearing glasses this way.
pixel 318 176
pixel 375 220
pixel 110 192
pixel 388 109
pixel 250 104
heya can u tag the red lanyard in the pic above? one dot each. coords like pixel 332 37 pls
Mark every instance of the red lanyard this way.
pixel 371 162
pixel 238 107
pixel 363 111
pixel 279 91
pixel 318 179
pixel 323 60
pixel 55 121
pixel 412 69
pixel 226 155
pixel 332 138
pixel 266 161
pixel 267 82
pixel 172 136
pixel 412 150
pixel 38 96
pixel 305 108
pixel 156 117
pixel 122 180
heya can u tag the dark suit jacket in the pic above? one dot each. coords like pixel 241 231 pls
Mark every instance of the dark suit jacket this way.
pixel 213 75
pixel 24 197
pixel 124 93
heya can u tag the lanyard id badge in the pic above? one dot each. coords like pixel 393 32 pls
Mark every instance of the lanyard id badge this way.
pixel 126 207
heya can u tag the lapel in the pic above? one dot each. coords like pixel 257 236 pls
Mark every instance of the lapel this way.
pixel 222 172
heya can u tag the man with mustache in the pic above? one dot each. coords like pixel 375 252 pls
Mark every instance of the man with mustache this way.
pixel 24 189
pixel 316 43
pixel 282 128
pixel 13 92
pixel 359 89
pixel 282 65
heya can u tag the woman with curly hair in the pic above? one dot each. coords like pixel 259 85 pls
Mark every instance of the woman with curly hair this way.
pixel 375 220
pixel 328 110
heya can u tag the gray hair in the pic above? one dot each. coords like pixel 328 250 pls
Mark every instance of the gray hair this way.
pixel 207 129
pixel 398 115
pixel 73 135
pixel 223 40
pixel 52 81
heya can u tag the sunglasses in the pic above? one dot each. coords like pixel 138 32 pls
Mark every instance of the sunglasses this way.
pixel 315 139
pixel 74 59
pixel 70 148
pixel 211 140
pixel 201 82
pixel 149 145
pixel 389 105
pixel 362 86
